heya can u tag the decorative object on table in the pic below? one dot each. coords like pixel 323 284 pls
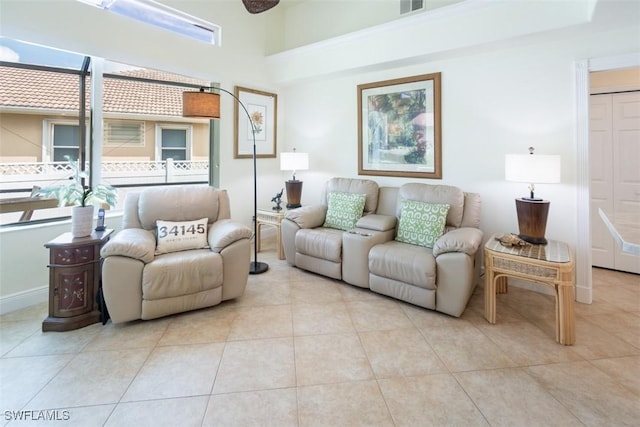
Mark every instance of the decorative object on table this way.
pixel 294 161
pixel 399 127
pixel 532 211
pixel 81 196
pixel 511 240
pixel 262 117
pixel 207 104
pixel 259 6
pixel 277 199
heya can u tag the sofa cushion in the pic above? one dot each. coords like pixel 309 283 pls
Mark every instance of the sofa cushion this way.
pixel 180 203
pixel 181 236
pixel 181 273
pixel 405 263
pixel 445 194
pixel 324 243
pixel 133 243
pixel 354 185
pixel 421 223
pixel 224 233
pixel 344 210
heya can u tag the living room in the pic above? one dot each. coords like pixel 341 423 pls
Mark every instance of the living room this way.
pixel 512 76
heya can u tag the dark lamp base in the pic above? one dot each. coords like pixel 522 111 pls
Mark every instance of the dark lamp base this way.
pixel 294 193
pixel 258 267
pixel 532 220
pixel 533 240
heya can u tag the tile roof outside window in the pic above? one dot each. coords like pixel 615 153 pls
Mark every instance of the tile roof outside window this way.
pixel 46 90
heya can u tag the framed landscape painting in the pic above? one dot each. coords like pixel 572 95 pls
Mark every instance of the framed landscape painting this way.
pixel 263 110
pixel 399 127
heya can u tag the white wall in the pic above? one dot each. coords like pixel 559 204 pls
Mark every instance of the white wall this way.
pixel 493 104
pixel 499 96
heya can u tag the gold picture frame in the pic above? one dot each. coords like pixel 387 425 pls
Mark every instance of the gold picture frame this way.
pixel 399 127
pixel 263 108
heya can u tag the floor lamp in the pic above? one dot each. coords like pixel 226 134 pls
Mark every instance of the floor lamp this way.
pixel 207 105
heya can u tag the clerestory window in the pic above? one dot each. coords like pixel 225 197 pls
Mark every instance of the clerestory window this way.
pixel 159 15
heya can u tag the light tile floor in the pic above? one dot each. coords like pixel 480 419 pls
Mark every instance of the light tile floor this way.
pixel 302 350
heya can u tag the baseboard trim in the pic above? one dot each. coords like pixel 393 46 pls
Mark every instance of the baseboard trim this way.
pixel 23 299
pixel 584 294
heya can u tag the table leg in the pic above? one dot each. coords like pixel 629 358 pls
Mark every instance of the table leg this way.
pixel 258 227
pixel 565 321
pixel 279 243
pixel 502 285
pixel 489 296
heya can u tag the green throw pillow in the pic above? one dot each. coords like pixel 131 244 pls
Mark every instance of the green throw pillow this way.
pixel 344 210
pixel 421 223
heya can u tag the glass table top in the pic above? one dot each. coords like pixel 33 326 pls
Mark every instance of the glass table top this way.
pixel 553 251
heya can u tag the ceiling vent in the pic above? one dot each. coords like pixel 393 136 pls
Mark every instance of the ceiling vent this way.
pixel 408 6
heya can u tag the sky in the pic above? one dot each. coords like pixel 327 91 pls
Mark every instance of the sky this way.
pixel 16 51
pixel 26 53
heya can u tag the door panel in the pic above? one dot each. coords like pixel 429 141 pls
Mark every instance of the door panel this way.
pixel 601 170
pixel 626 169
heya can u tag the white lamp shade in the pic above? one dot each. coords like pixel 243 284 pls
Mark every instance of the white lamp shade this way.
pixel 294 161
pixel 532 168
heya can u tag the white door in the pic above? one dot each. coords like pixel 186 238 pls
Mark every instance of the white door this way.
pixel 615 171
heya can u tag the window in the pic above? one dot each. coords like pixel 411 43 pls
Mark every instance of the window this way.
pixel 151 12
pixel 174 142
pixel 123 134
pixel 64 141
pixel 138 134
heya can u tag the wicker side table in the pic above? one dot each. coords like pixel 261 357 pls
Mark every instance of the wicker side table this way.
pixel 271 218
pixel 551 265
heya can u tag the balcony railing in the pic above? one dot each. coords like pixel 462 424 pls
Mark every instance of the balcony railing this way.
pixel 27 175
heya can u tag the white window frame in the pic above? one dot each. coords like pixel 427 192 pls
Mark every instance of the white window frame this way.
pixel 174 126
pixel 48 127
pixel 140 143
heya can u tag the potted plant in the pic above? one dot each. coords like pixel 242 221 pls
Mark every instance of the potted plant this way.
pixel 81 197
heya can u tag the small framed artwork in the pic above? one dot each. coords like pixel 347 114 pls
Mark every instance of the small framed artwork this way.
pixel 262 107
pixel 399 127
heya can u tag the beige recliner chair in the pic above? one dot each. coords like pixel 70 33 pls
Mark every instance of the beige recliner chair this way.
pixel 193 265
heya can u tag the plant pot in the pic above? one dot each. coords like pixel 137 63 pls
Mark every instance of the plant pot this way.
pixel 81 221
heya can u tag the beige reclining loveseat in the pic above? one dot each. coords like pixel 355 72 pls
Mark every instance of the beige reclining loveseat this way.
pixel 373 254
pixel 201 258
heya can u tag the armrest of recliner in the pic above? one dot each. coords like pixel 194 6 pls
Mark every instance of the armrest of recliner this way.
pixel 225 232
pixel 308 216
pixel 377 222
pixel 464 239
pixel 136 243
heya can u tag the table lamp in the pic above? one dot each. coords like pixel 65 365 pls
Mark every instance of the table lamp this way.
pixel 532 211
pixel 294 162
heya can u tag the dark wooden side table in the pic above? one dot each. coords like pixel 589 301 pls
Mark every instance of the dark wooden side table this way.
pixel 551 265
pixel 74 280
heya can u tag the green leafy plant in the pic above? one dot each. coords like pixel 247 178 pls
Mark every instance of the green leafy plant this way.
pixel 74 193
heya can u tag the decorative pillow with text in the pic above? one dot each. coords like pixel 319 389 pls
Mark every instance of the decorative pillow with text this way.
pixel 344 210
pixel 421 223
pixel 181 236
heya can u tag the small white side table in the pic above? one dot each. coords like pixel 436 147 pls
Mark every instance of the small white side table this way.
pixel 271 218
